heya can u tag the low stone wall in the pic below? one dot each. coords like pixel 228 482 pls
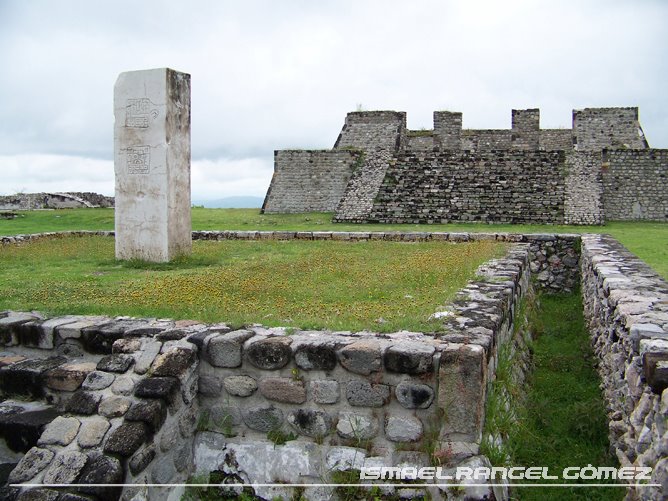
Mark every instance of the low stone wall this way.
pixel 33 201
pixel 152 401
pixel 626 309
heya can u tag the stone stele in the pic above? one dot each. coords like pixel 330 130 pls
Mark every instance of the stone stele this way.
pixel 152 164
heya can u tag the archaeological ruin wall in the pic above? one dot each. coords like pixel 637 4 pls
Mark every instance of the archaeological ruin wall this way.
pixel 600 169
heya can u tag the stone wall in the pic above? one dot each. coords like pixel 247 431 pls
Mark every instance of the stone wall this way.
pixel 597 128
pixel 583 189
pixel 500 186
pixel 368 130
pixel 33 201
pixel 309 180
pixel 635 184
pixel 556 139
pixel 485 139
pixel 626 309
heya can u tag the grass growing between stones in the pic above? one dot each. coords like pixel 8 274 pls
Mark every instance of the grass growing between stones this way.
pixel 563 422
pixel 380 286
pixel 648 240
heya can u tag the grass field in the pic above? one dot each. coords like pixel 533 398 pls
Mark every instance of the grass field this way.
pixel 648 240
pixel 379 286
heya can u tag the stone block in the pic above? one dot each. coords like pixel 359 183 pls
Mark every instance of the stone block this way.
pixel 126 345
pixel 60 431
pixel 32 335
pixel 317 356
pixel 97 380
pixel 283 389
pixel 99 477
pixel 152 164
pixel 210 386
pixel 461 391
pixel 224 350
pixel 270 354
pixel 166 388
pixel 119 363
pixel 35 461
pixel 114 406
pixel 68 377
pixel 10 327
pixel 151 412
pixel 92 432
pixel 240 386
pixel 655 367
pixel 362 393
pixel 123 385
pixel 263 418
pixel 403 428
pixel 409 358
pixel 324 391
pixel 356 425
pixel 413 395
pixel 83 402
pixel 99 339
pixel 127 438
pixel 65 468
pixel 362 357
pixel 142 459
pixel 72 330
pixel 175 362
pixel 641 331
pixel 310 422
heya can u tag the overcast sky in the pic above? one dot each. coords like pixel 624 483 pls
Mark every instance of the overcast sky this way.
pixel 276 74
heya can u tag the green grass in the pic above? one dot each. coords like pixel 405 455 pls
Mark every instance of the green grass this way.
pixel 564 421
pixel 648 240
pixel 380 286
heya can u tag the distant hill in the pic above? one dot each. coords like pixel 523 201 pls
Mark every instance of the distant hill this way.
pixel 241 202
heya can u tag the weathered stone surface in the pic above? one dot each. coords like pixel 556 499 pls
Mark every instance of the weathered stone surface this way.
pixel 117 362
pixel 65 468
pixel 127 438
pixel 240 386
pixel 149 351
pixel 126 345
pixel 224 350
pixel 263 419
pixel 318 357
pixel 324 391
pixel 169 438
pixel 68 377
pixel 22 425
pixel 92 432
pixel 39 494
pixel 151 412
pixel 114 406
pixel 362 357
pixel 188 421
pixel 152 164
pixel 344 458
pixel 73 330
pixel 123 385
pixel 175 362
pixel 10 327
pixel 142 459
pixel 409 358
pixel 283 389
pixel 357 426
pixel 83 402
pixel 210 386
pixel 270 354
pixel 166 388
pixel 362 393
pixel 310 422
pixel 32 335
pixel 35 461
pixel 403 428
pixel 163 470
pixel 462 379
pixel 414 395
pixel 100 338
pixel 655 366
pixel 97 380
pixel 183 457
pixel 25 377
pixel 60 431
pixel 101 470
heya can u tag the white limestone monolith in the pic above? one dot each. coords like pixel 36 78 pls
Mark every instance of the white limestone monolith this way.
pixel 152 164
